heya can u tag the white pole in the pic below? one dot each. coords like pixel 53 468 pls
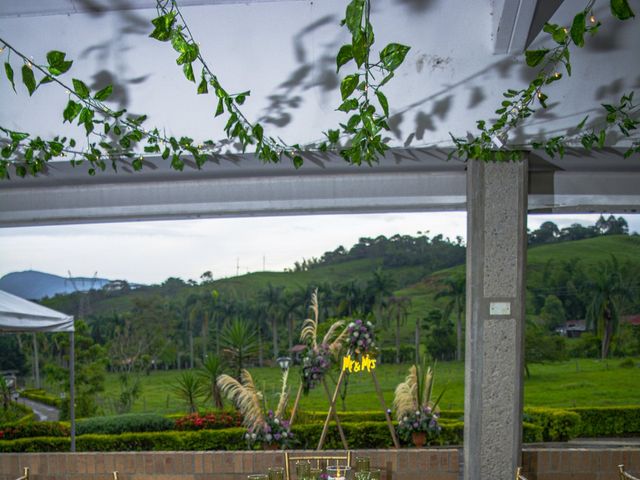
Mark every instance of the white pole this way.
pixel 72 389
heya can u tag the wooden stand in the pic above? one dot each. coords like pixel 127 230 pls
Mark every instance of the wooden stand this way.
pixel 332 411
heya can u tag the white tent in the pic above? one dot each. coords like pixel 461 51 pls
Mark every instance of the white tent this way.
pixel 20 315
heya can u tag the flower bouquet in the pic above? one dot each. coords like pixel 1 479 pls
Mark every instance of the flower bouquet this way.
pixel 360 337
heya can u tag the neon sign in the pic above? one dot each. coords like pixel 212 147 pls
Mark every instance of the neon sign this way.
pixel 366 363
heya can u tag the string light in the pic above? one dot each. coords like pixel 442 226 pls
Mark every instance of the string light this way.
pixel 2 48
pixel 592 19
pixel 557 75
pixel 539 94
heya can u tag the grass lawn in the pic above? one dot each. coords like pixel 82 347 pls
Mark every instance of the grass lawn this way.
pixel 582 383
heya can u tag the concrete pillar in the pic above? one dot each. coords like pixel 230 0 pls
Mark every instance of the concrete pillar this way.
pixel 496 263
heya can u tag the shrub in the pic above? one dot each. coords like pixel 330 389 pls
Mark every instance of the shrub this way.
pixel 608 421
pixel 13 431
pixel 133 422
pixel 41 396
pixel 557 425
pixel 209 421
pixel 627 363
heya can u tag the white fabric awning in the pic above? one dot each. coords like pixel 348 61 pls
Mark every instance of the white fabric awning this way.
pixel 20 315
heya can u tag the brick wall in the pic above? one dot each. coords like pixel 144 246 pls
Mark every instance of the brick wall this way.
pixel 405 464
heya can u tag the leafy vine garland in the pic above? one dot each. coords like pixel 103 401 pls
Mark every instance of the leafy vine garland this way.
pixel 112 136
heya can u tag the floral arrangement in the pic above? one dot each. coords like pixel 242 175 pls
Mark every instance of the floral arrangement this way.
pixel 415 410
pixel 360 337
pixel 318 356
pixel 315 363
pixel 209 421
pixel 422 420
pixel 273 432
pixel 263 427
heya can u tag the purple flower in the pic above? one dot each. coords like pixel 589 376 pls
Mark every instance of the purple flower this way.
pixel 277 436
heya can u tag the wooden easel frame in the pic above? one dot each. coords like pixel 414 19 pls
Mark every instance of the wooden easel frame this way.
pixel 332 410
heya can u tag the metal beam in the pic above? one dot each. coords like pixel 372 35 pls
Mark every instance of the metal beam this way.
pixel 407 180
pixel 520 22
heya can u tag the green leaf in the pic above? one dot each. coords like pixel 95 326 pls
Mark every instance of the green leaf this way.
pixel 103 94
pixel 535 57
pixel 333 136
pixel 80 88
pixel 345 55
pixel 601 138
pixel 348 105
pixel 28 79
pixel 578 29
pixel 165 153
pixel 297 161
pixel 258 132
pixel 348 85
pixel 386 79
pixel 202 87
pixel 71 111
pixel 163 25
pixel 57 63
pixel 621 9
pixel 188 72
pixel 9 71
pixel 580 126
pixel 241 97
pixel 384 103
pixel 393 55
pixel 220 109
pixel 359 48
pixel 354 13
pixel 18 137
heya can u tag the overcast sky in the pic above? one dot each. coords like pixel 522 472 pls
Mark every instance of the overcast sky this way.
pixel 150 252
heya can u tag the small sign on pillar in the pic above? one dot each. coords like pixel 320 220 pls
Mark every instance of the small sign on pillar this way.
pixel 499 308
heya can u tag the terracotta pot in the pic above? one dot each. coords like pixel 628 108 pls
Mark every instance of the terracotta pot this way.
pixel 419 438
pixel 270 446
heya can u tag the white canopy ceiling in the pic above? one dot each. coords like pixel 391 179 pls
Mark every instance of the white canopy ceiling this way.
pixel 20 315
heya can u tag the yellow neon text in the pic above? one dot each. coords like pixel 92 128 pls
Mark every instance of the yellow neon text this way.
pixel 366 363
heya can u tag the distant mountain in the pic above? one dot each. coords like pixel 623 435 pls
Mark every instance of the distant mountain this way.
pixel 35 285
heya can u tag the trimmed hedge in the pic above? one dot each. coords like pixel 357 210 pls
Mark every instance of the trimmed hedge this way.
pixel 42 397
pixel 557 425
pixel 127 423
pixel 13 431
pixel 359 435
pixel 608 421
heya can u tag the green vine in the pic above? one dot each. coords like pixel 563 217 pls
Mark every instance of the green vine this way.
pixel 491 143
pixel 364 127
pixel 113 135
pixel 110 135
pixel 170 26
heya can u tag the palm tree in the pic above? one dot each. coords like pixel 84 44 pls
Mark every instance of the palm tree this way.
pixel 399 309
pixel 273 300
pixel 238 343
pixel 211 369
pixel 190 389
pixel 455 291
pixel 607 290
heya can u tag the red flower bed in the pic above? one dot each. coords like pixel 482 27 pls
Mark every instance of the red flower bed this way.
pixel 209 421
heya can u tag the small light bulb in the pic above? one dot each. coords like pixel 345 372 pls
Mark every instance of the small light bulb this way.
pixel 2 49
pixel 539 94
pixel 67 92
pixel 565 30
pixel 592 19
pixel 557 75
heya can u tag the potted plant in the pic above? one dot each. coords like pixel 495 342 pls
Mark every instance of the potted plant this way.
pixel 416 413
pixel 264 426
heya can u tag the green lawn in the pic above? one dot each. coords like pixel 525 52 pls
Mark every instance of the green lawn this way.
pixel 582 382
